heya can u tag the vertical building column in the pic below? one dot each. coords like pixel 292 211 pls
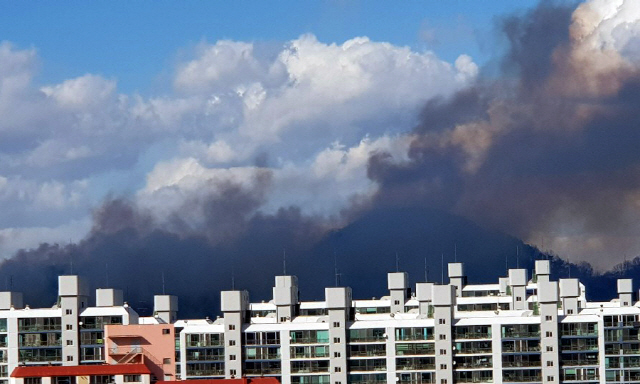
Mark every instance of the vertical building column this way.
pixel 518 284
pixel 390 344
pixel 444 302
pixel 496 352
pixel 569 294
pixel 457 277
pixel 234 305
pixel 338 302
pixel 398 283
pixel 285 356
pixel 73 296
pixel 424 292
pixel 543 270
pixel 10 301
pixel 285 297
pixel 550 351
pixel 625 292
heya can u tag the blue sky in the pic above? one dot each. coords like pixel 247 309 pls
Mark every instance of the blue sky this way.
pixel 138 42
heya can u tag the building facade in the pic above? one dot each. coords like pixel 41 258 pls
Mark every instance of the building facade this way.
pixel 523 329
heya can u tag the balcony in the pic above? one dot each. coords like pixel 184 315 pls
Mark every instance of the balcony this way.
pixel 308 355
pixel 521 335
pixel 472 335
pixel 203 344
pixel 40 359
pixel 470 351
pixel 521 379
pixel 368 353
pixel 40 328
pixel 264 356
pixel 581 362
pixel 520 364
pixel 478 364
pixel 416 367
pixel 309 369
pixel 39 343
pixel 206 372
pixel 205 358
pixel 310 340
pixel 263 371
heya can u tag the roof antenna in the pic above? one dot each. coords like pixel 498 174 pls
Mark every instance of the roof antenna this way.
pixel 506 263
pixel 397 262
pixel 284 261
pixel 426 271
pixel 233 277
pixel 455 252
pixel 163 283
pixel 335 268
pixel 517 256
pixel 106 270
pixel 442 270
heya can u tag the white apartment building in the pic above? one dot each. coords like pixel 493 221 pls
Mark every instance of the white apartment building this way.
pixel 70 332
pixel 521 330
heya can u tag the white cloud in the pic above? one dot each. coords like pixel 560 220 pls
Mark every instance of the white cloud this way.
pixel 232 102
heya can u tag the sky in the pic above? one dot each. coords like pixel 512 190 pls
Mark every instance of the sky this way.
pixel 518 116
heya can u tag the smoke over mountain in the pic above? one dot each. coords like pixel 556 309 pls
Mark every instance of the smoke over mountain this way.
pixel 544 150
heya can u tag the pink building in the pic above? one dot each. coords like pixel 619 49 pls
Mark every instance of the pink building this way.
pixel 150 344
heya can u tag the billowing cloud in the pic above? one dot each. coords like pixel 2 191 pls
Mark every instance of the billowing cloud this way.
pixel 307 113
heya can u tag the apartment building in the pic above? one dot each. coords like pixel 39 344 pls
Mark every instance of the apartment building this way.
pixel 71 332
pixel 523 329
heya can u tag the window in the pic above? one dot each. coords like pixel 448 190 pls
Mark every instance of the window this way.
pixel 518 298
pixel 396 302
pixel 443 366
pixel 336 339
pixel 166 331
pixel 232 327
pixel 442 321
pixel 338 369
pixel 336 324
pixel 166 360
pixel 443 351
pixel 549 378
pixel 232 343
pixel 69 327
pixel 443 337
pixel 549 334
pixel 69 342
pixel 548 318
pixel 570 311
pixel 443 381
pixel 132 378
pixel 336 354
pixel 232 372
pixel 69 312
pixel 283 319
pixel 32 380
pixel 69 358
pixel 232 357
pixel 549 363
pixel 549 349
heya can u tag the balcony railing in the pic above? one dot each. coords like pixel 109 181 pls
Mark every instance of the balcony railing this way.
pixel 369 353
pixel 40 328
pixel 263 371
pixel 310 355
pixel 206 372
pixel 416 367
pixel 473 335
pixel 309 369
pixel 521 335
pixel 414 337
pixel 483 364
pixel 585 348
pixel 582 362
pixel 205 358
pixel 475 380
pixel 521 379
pixel 521 350
pixel 474 350
pixel 33 359
pixel 265 356
pixel 38 343
pixel 310 340
pixel 519 364
pixel 263 342
pixel 200 344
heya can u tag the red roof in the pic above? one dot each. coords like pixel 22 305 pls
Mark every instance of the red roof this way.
pixel 81 370
pixel 243 380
